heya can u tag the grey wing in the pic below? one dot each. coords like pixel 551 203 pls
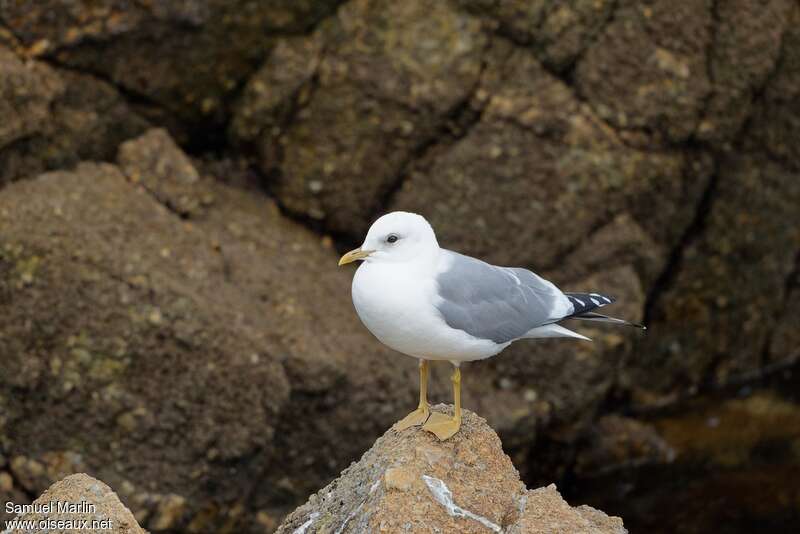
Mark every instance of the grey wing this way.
pixel 497 303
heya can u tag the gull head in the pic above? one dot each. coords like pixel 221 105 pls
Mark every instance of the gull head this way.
pixel 396 237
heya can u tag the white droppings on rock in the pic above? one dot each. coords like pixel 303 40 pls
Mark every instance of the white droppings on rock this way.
pixel 310 521
pixel 444 496
pixel 522 503
pixel 375 486
pixel 349 517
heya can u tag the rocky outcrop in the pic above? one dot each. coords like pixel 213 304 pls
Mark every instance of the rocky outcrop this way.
pixel 558 164
pixel 78 503
pixel 645 149
pixel 54 118
pixel 195 336
pixel 335 117
pixel 205 322
pixel 752 214
pixel 213 46
pixel 726 458
pixel 411 482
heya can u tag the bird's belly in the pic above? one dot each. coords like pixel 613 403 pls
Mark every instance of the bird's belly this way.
pixel 403 316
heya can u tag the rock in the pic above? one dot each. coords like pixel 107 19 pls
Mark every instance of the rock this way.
pixel 557 32
pixel 212 46
pixel 177 267
pixel 155 161
pixel 776 117
pixel 545 511
pixel 752 214
pixel 615 442
pixel 685 72
pixel 179 332
pixel 660 80
pixel 585 140
pixel 785 337
pixel 409 481
pixel 747 42
pixel 86 500
pixel 6 483
pixel 335 117
pixel 115 341
pixel 718 444
pixel 169 513
pixel 54 118
pixel 537 163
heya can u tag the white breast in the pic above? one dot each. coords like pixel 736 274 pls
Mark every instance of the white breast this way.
pixel 398 307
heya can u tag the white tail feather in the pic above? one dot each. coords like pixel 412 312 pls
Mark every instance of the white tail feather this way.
pixel 553 330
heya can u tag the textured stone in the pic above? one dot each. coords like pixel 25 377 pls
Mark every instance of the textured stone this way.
pixel 410 482
pixel 54 118
pixel 540 171
pixel 545 511
pixel 95 501
pixel 155 161
pixel 213 45
pixel 776 120
pixel 747 40
pixel 355 101
pixel 185 331
pixel 732 279
pixel 660 81
pixel 556 31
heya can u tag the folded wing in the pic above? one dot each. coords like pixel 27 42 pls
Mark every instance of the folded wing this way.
pixel 496 303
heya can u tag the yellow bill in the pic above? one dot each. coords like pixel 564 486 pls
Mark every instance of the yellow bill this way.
pixel 354 255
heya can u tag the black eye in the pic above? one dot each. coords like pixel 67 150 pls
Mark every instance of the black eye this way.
pixel 392 238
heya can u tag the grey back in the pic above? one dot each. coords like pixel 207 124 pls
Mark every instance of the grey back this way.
pixel 497 303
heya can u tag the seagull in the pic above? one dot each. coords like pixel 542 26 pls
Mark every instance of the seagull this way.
pixel 435 304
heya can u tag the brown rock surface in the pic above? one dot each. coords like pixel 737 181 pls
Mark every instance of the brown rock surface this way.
pixel 556 32
pixel 113 357
pixel 750 243
pixel 94 502
pixel 54 118
pixel 591 134
pixel 645 149
pixel 210 361
pixel 336 116
pixel 539 163
pixel 213 45
pixel 410 482
pixel 682 70
pixel 191 318
pixel 776 118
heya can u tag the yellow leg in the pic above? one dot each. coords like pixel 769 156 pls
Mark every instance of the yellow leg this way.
pixel 442 426
pixel 420 415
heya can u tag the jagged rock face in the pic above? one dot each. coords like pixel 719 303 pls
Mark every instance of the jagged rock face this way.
pixel 411 482
pixel 750 242
pixel 84 499
pixel 54 118
pixel 213 45
pixel 187 348
pixel 337 116
pixel 204 322
pixel 644 149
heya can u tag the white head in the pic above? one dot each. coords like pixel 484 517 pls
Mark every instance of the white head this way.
pixel 396 237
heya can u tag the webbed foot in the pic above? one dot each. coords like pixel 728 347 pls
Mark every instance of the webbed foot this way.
pixel 415 418
pixel 442 426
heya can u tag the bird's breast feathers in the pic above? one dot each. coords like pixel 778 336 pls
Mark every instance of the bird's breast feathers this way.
pixel 399 309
